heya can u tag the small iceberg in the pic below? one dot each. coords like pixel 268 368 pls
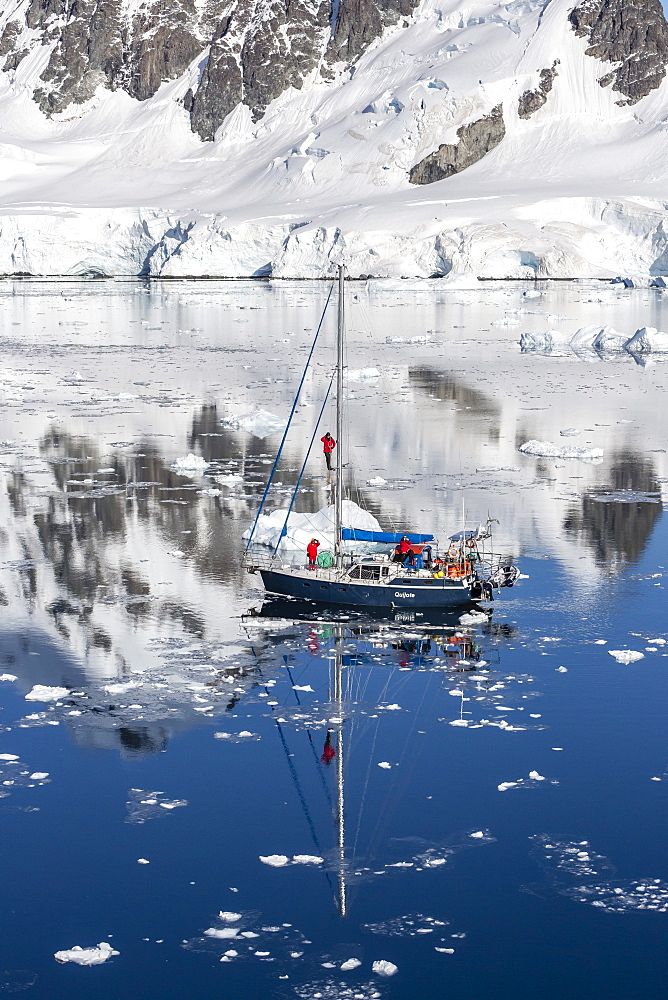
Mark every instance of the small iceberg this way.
pixel 190 463
pixel 301 528
pixel 545 449
pixel 260 423
pixel 86 956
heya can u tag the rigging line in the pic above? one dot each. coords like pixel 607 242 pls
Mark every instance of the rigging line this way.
pixel 364 789
pixel 287 426
pixel 304 805
pixel 405 774
pixel 284 529
pixel 328 794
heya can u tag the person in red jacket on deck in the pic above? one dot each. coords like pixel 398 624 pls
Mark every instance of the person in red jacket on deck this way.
pixel 328 446
pixel 312 552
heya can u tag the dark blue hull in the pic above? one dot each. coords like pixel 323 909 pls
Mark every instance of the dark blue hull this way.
pixel 416 594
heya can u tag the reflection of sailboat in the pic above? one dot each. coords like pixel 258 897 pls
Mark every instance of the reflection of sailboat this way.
pixel 367 668
pixel 417 575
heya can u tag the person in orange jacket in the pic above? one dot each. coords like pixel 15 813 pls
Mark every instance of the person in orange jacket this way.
pixel 312 552
pixel 328 446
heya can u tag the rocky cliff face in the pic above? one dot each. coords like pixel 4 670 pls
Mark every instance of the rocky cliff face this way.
pixel 531 100
pixel 473 142
pixel 631 33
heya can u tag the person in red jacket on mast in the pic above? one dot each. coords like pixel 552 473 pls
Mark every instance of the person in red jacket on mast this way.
pixel 328 446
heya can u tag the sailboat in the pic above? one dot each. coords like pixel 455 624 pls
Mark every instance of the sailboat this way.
pixel 420 576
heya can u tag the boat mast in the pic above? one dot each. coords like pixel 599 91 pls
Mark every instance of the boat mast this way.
pixel 338 496
pixel 340 797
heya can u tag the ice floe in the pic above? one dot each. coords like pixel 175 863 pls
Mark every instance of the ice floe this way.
pixel 545 449
pixel 143 805
pixel 384 968
pixel 190 463
pixel 258 422
pixel 86 956
pixel 274 860
pixel 42 692
pixel 575 870
pixel 626 655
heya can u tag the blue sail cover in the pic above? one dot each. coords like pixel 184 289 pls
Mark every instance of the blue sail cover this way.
pixel 391 537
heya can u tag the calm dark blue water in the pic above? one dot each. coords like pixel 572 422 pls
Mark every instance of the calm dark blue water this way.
pixel 362 757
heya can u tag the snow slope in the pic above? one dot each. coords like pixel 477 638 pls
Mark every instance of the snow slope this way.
pixel 120 186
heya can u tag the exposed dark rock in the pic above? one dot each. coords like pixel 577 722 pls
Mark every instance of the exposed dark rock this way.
pixel 256 50
pixel 532 100
pixel 632 33
pixel 475 141
pixel 8 38
pixel 96 43
pixel 256 66
pixel 360 22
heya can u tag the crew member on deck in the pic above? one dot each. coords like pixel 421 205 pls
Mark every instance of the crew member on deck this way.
pixel 328 446
pixel 312 552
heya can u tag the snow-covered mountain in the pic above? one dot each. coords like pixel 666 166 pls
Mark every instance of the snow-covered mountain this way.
pixel 256 137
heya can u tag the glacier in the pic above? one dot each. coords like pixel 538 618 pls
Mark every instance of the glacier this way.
pixel 573 183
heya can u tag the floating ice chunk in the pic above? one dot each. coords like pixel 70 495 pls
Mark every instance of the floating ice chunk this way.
pixel 232 479
pixel 302 687
pixel 173 803
pixel 86 956
pixel 229 916
pixel 472 618
pixel 7 677
pixel 190 463
pixel 350 963
pixel 543 343
pixel 390 708
pixel 562 670
pixel 626 655
pixel 505 785
pixel 545 449
pixel 377 481
pixel 600 642
pixel 221 933
pixel 570 432
pixel 477 835
pixel 647 339
pixel 8 756
pixel 445 951
pixel 143 861
pixel 384 764
pixel 274 860
pixel 260 423
pixel 39 775
pixel 536 776
pixel 42 692
pixel 383 968
pixel 609 339
pixel 306 859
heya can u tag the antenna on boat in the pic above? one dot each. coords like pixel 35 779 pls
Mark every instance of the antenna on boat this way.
pixel 338 496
